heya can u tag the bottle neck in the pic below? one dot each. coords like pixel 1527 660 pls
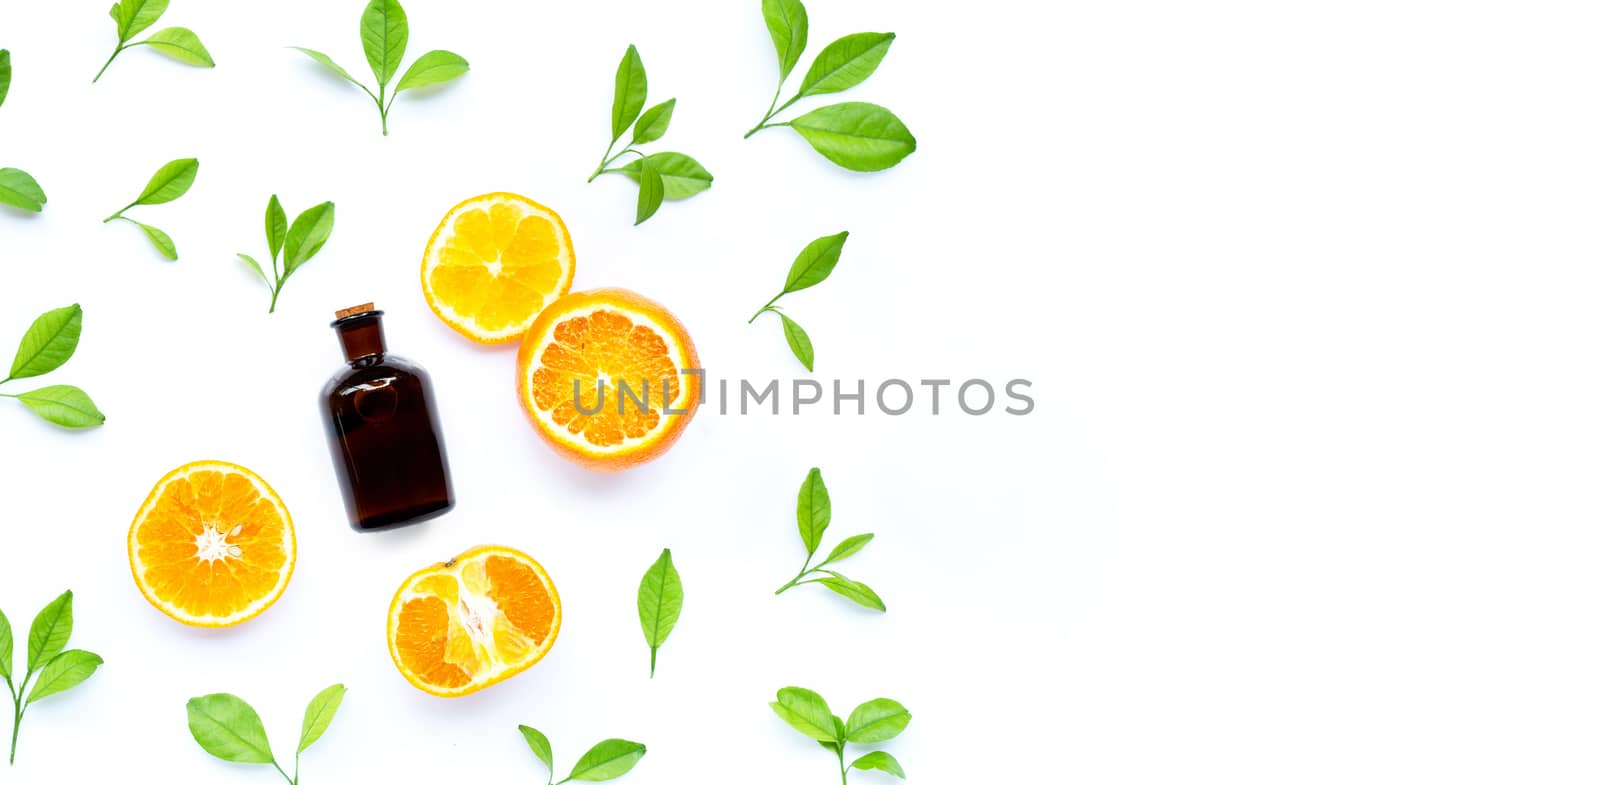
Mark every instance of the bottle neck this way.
pixel 361 335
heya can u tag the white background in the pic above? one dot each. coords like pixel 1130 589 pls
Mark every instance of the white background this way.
pixel 1306 292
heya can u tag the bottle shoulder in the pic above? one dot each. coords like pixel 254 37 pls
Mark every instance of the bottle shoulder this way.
pixel 387 369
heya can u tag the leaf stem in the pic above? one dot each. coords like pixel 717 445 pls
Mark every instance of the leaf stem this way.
pixel 608 159
pixel 763 310
pixel 839 748
pixel 286 777
pixel 103 68
pixel 383 111
pixel 771 110
pixel 118 214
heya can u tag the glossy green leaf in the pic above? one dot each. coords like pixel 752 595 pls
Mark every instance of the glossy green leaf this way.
pixel 681 176
pixel 432 68
pixel 876 721
pixel 814 510
pixel 63 405
pixel 310 231
pixel 64 671
pixel 788 26
pixel 319 713
pixel 807 712
pixel 845 63
pixel 660 603
pixel 848 548
pixel 277 224
pixel 881 761
pixel 609 759
pixel 653 123
pixel 815 262
pixel 134 16
pixel 799 342
pixel 540 746
pixel 181 44
pixel 5 74
pixel 651 191
pixel 161 240
pixel 328 63
pixel 838 733
pixel 628 98
pixel 169 182
pixel 20 190
pixel 48 343
pixel 228 728
pixel 5 647
pixel 51 629
pixel 855 591
pixel 255 265
pixel 858 136
pixel 383 37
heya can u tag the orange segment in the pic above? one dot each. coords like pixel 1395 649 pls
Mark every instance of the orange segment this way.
pixel 212 545
pixel 473 621
pixel 601 376
pixel 493 263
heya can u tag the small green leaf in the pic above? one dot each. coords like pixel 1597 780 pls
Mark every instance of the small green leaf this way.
pixel 277 227
pixel 651 191
pixel 50 630
pixel 845 63
pixel 328 63
pixel 63 405
pixel 20 190
pixel 169 182
pixel 681 176
pixel 64 671
pixel 5 74
pixel 660 603
pixel 880 760
pixel 540 746
pixel 254 265
pixel 607 760
pixel 848 548
pixel 858 136
pixel 5 648
pixel 310 231
pixel 814 510
pixel 432 68
pixel 383 37
pixel 875 721
pixel 799 342
pixel 807 712
pixel 161 240
pixel 653 123
pixel 228 728
pixel 787 24
pixel 134 16
pixel 815 262
pixel 181 44
pixel 48 343
pixel 838 733
pixel 319 713
pixel 629 95
pixel 855 591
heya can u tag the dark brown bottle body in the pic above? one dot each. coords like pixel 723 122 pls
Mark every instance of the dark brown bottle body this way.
pixel 383 432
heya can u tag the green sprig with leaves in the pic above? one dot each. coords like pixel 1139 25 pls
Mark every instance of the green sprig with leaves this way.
pixel 384 34
pixel 813 266
pixel 47 345
pixel 813 512
pixel 52 667
pixel 660 176
pixel 856 135
pixel 169 182
pixel 17 188
pixel 298 242
pixel 660 603
pixel 228 728
pixel 873 722
pixel 607 760
pixel 178 43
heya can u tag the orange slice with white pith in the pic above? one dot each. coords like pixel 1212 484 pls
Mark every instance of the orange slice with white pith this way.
pixel 493 263
pixel 475 620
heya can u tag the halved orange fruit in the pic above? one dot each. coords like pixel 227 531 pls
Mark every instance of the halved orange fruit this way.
pixel 493 263
pixel 212 545
pixel 601 374
pixel 475 620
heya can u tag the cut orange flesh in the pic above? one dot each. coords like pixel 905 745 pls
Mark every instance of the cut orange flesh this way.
pixel 495 261
pixel 601 376
pixel 476 620
pixel 212 546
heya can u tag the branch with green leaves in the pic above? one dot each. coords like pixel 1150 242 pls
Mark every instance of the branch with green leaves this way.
pixel 660 176
pixel 298 242
pixel 47 345
pixel 228 728
pixel 607 760
pixel 384 33
pixel 17 188
pixel 873 722
pixel 660 603
pixel 813 513
pixel 178 43
pixel 169 182
pixel 52 667
pixel 856 135
pixel 813 266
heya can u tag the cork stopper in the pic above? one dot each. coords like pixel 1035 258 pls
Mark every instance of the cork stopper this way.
pixel 353 310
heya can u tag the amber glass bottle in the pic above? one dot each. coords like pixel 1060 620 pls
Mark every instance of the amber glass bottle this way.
pixel 383 431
